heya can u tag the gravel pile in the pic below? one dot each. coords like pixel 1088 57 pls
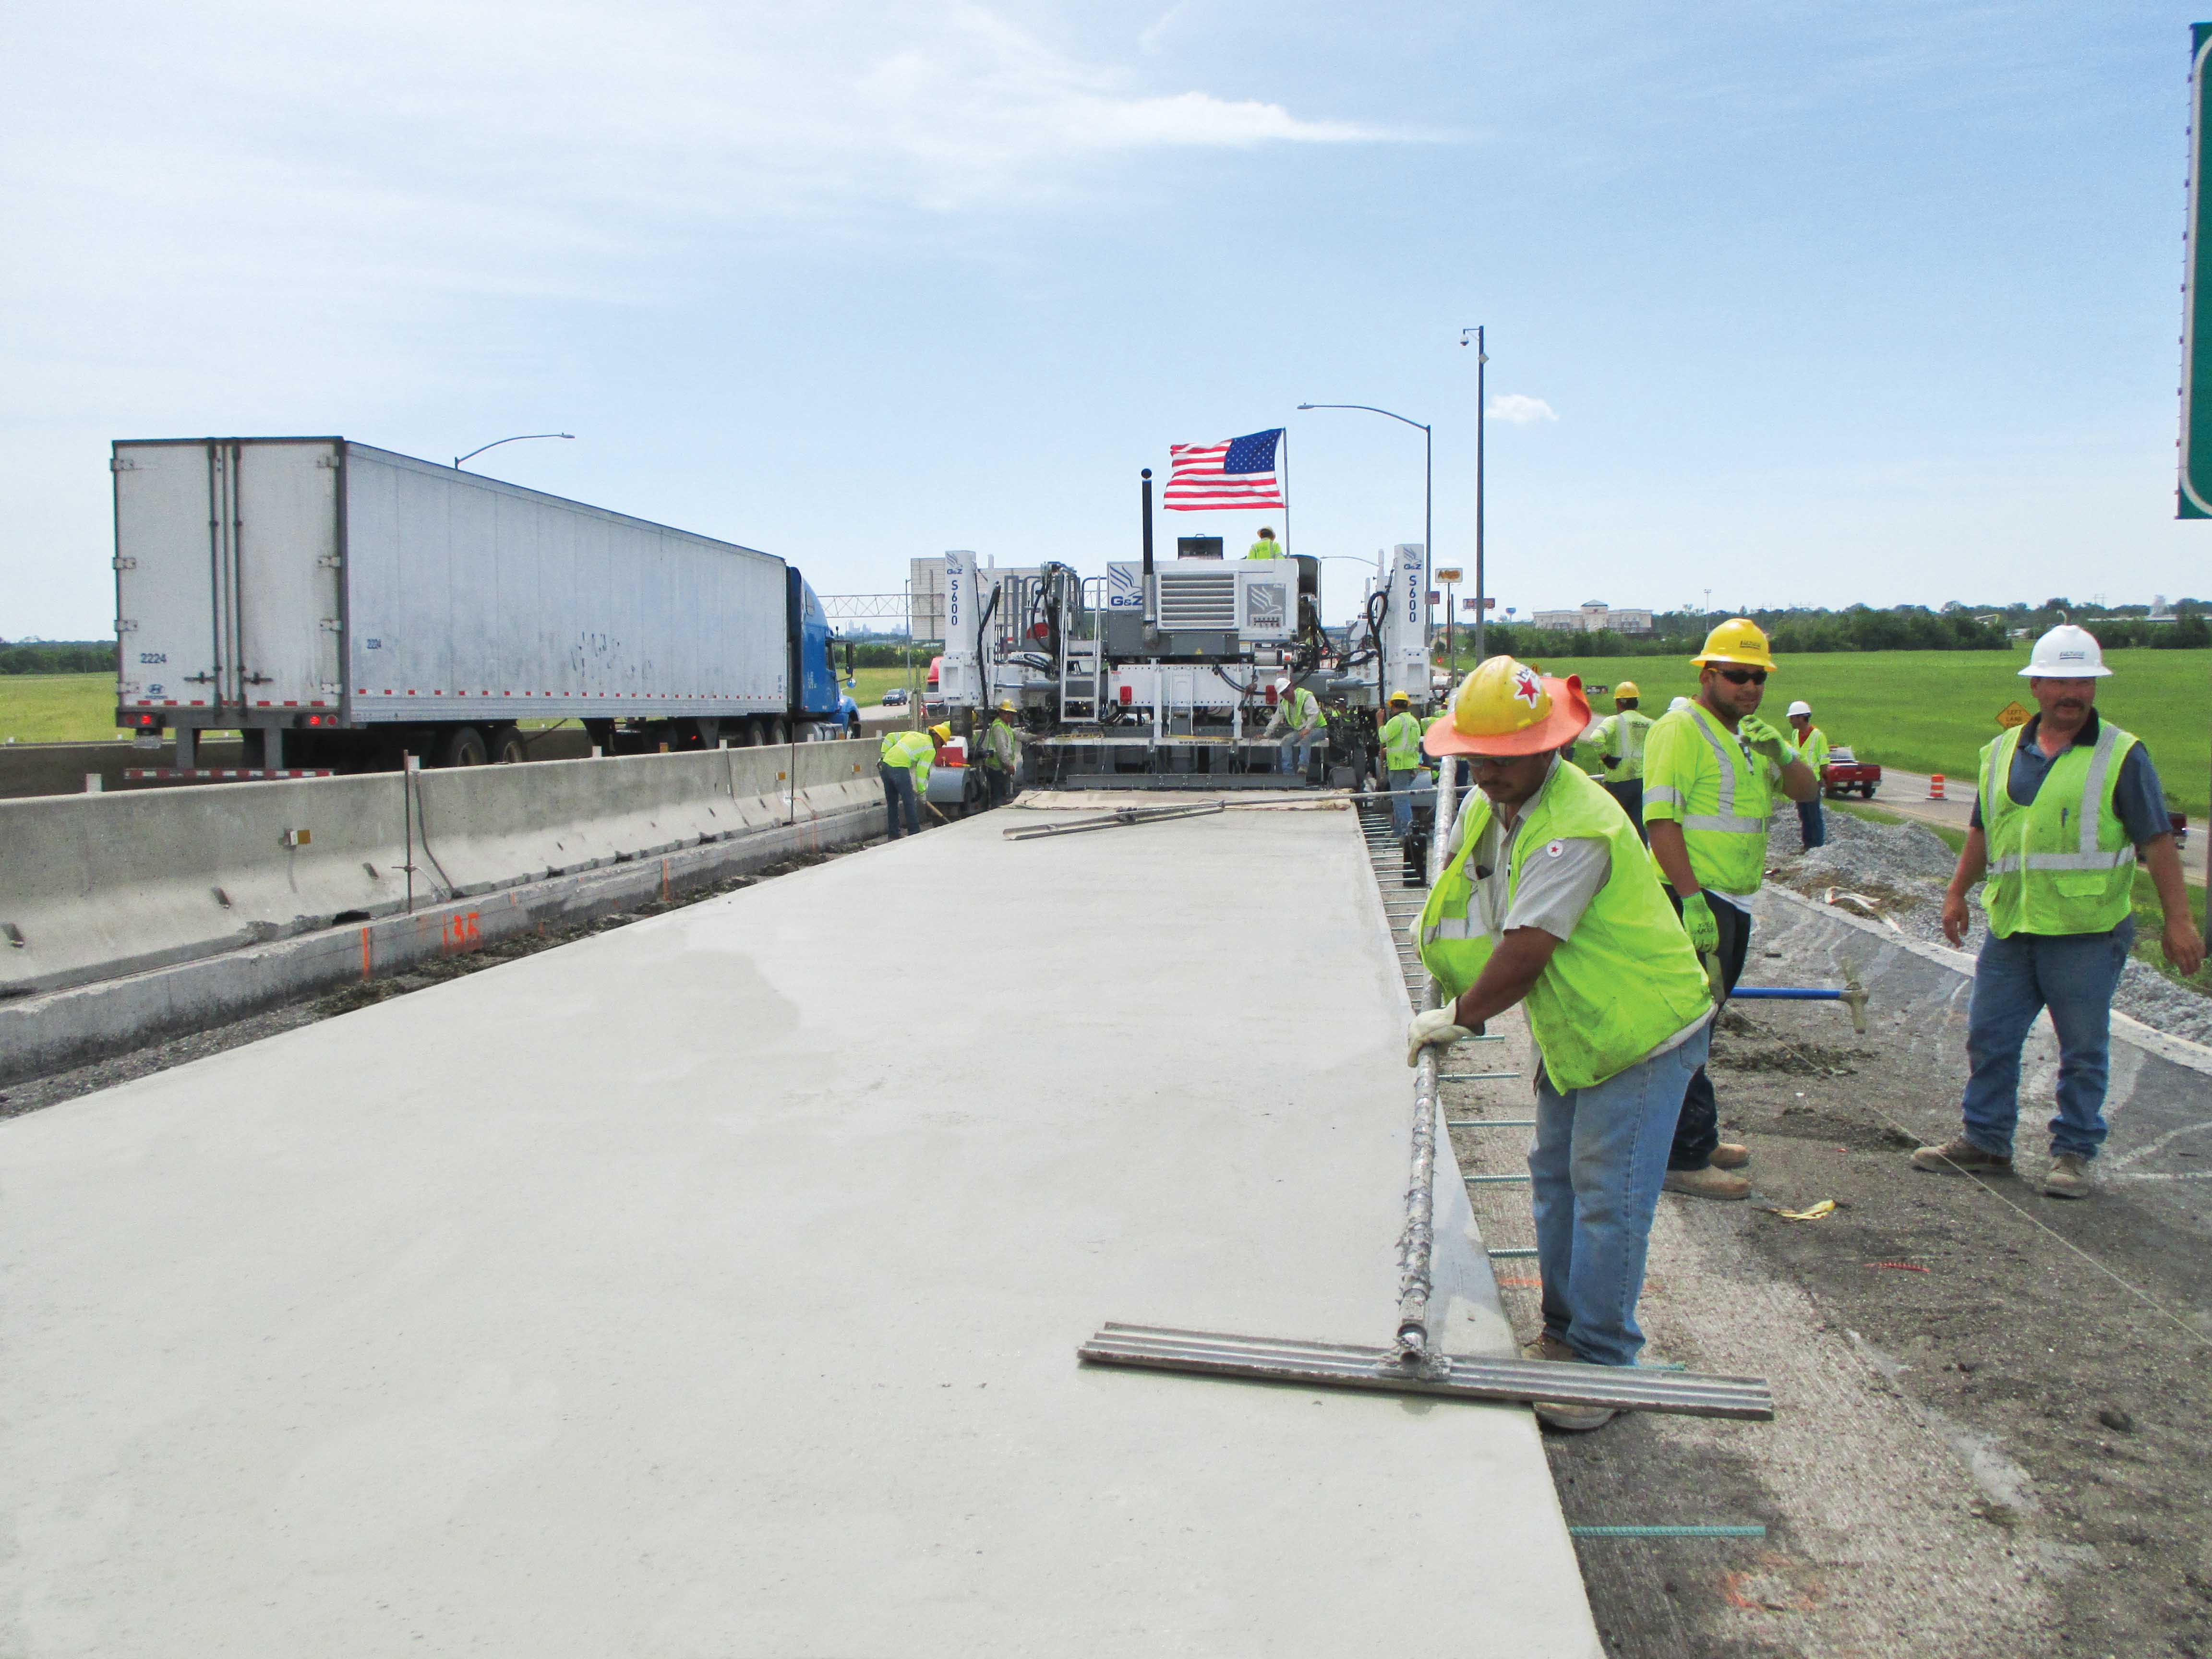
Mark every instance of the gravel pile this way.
pixel 1903 868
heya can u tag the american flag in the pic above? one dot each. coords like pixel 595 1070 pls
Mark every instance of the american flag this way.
pixel 1235 472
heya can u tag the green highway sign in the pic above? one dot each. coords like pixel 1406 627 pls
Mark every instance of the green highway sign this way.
pixel 2194 498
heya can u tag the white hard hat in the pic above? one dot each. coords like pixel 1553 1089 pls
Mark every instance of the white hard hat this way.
pixel 1678 702
pixel 1799 707
pixel 2067 652
pixel 1283 685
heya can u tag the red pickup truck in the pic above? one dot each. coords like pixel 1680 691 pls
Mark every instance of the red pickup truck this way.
pixel 1844 773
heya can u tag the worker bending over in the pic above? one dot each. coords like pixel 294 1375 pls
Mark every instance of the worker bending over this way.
pixel 1709 771
pixel 1266 547
pixel 903 765
pixel 1548 898
pixel 1619 737
pixel 1002 753
pixel 1401 758
pixel 1812 746
pixel 1296 724
pixel 2067 805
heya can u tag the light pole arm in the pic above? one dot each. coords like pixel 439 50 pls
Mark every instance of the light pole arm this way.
pixel 519 437
pixel 1370 409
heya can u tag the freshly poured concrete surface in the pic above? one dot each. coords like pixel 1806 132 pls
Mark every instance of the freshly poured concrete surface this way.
pixel 712 1287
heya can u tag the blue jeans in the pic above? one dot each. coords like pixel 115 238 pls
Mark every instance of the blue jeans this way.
pixel 1302 747
pixel 2074 975
pixel 1401 799
pixel 898 792
pixel 1600 1157
pixel 1812 828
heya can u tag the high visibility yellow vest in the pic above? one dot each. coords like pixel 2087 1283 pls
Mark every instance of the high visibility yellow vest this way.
pixel 1723 807
pixel 1298 708
pixel 1814 751
pixel 1264 550
pixel 1402 741
pixel 1622 733
pixel 1625 982
pixel 2062 864
pixel 912 749
pixel 999 746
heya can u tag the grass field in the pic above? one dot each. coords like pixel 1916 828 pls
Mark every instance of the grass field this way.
pixel 81 707
pixel 1931 711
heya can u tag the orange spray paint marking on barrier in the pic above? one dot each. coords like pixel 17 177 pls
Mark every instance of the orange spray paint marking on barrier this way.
pixel 460 932
pixel 364 953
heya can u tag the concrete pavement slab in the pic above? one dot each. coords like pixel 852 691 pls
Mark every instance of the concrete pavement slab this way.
pixel 712 1287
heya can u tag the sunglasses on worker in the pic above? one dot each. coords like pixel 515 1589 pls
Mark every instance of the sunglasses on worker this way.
pixel 1743 676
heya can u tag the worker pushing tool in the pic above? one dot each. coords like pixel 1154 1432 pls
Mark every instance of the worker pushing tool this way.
pixel 1619 737
pixel 902 762
pixel 2066 805
pixel 1296 724
pixel 1709 774
pixel 1401 758
pixel 1813 745
pixel 1548 898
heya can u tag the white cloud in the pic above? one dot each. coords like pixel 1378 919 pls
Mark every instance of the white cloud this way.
pixel 1518 409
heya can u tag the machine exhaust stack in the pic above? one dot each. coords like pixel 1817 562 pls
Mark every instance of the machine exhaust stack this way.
pixel 1152 582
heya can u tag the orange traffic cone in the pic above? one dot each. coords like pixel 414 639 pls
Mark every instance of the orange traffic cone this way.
pixel 1935 787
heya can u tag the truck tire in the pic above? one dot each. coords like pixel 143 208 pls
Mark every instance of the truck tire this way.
pixel 779 732
pixel 506 747
pixel 1866 792
pixel 462 746
pixel 852 727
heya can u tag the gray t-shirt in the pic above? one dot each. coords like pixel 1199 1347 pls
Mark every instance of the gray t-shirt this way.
pixel 1560 879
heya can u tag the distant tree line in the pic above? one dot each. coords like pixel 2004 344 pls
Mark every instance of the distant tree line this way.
pixel 57 657
pixel 1956 626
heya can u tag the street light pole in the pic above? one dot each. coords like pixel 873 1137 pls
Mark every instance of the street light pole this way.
pixel 1481 588
pixel 519 437
pixel 1428 484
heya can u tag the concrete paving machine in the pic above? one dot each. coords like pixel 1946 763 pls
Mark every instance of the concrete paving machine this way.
pixel 1165 673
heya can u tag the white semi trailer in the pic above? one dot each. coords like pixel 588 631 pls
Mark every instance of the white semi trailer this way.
pixel 346 605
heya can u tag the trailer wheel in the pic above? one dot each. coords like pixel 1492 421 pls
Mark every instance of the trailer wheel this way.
pixel 506 747
pixel 779 732
pixel 462 746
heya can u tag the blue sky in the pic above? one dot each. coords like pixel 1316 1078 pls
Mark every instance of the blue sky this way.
pixel 1813 303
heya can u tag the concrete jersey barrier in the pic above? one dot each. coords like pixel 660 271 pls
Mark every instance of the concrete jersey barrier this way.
pixel 95 886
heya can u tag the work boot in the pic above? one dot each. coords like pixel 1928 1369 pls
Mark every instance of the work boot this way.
pixel 2068 1177
pixel 1959 1155
pixel 1550 1346
pixel 1731 1155
pixel 1708 1182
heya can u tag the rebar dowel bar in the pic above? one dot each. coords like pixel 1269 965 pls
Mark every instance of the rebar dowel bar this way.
pixel 1494 1180
pixel 1417 1244
pixel 1489 1123
pixel 1474 1077
pixel 1515 1253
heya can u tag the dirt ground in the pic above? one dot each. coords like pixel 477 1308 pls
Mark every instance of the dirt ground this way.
pixel 2072 1405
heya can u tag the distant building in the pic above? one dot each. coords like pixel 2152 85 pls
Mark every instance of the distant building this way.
pixel 926 598
pixel 1594 616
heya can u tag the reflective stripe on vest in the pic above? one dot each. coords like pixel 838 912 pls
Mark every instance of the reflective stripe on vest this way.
pixel 1727 753
pixel 2027 891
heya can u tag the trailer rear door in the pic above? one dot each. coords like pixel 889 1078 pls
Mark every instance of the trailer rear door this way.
pixel 226 575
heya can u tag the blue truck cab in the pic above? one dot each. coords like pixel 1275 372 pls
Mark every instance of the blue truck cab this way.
pixel 819 703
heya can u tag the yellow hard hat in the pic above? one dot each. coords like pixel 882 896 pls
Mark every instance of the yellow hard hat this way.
pixel 1402 697
pixel 1626 689
pixel 1005 705
pixel 1505 707
pixel 1738 639
pixel 942 733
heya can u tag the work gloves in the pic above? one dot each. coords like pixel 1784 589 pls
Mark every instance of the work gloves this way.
pixel 1701 925
pixel 1763 739
pixel 1434 1025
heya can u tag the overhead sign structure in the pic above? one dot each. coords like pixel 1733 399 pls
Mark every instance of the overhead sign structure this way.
pixel 2194 498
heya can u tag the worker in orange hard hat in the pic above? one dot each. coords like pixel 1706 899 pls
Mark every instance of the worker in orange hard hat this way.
pixel 1711 774
pixel 1549 900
